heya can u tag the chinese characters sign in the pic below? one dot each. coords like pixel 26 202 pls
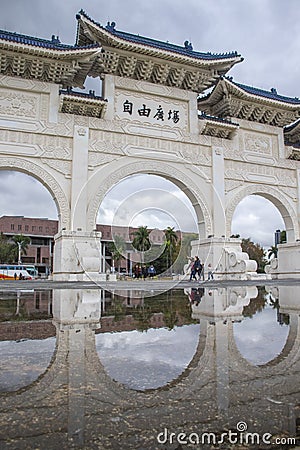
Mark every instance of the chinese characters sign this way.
pixel 154 111
pixel 160 114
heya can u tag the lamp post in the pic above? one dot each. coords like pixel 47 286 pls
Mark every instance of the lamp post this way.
pixel 19 255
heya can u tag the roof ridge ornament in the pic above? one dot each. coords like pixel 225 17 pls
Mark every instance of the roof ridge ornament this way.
pixel 111 26
pixel 55 39
pixel 188 46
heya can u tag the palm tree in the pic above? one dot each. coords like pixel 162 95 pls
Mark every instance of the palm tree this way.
pixel 142 315
pixel 273 251
pixel 7 250
pixel 171 241
pixel 21 245
pixel 141 241
pixel 117 249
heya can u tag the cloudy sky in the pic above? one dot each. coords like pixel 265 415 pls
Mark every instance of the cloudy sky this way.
pixel 264 32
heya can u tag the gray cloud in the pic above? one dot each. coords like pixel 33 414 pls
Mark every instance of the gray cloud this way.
pixel 257 218
pixel 264 32
pixel 24 196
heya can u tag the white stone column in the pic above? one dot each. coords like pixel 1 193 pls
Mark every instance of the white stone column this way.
pixel 222 366
pixel 298 203
pixel 218 197
pixel 79 178
pixel 109 95
pixel 211 249
pixel 77 251
pixel 76 314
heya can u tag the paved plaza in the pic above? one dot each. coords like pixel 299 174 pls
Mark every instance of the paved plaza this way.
pixel 147 285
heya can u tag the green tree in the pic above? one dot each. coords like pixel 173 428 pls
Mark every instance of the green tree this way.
pixel 273 251
pixel 256 304
pixel 117 249
pixel 171 241
pixel 7 250
pixel 256 252
pixel 142 315
pixel 141 241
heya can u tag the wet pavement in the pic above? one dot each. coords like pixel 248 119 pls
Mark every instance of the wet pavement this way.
pixel 198 366
pixel 155 284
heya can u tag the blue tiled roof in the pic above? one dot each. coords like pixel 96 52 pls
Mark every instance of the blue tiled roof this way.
pixel 37 42
pixel 186 50
pixel 205 116
pixel 272 94
pixel 89 95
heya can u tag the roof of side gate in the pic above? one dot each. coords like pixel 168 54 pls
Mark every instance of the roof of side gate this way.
pixel 47 60
pixel 231 99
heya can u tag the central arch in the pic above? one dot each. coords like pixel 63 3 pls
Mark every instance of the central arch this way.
pixel 197 193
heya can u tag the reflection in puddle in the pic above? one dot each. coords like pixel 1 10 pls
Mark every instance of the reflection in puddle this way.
pixel 147 360
pixel 185 340
pixel 262 337
pixel 22 362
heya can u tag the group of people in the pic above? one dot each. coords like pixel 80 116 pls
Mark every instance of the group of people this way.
pixel 143 272
pixel 196 295
pixel 20 277
pixel 197 270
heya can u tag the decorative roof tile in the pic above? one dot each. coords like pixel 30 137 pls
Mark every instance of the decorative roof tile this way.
pixel 54 43
pixel 186 49
pixel 205 116
pixel 88 95
pixel 272 94
pixel 81 103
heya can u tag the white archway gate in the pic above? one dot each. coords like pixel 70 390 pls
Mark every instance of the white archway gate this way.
pixel 149 119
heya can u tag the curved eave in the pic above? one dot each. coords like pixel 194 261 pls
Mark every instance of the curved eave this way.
pixel 225 86
pixel 106 38
pixel 216 127
pixel 292 134
pixel 219 123
pixel 53 53
pixel 81 99
pixel 82 105
pixel 262 99
pixel 293 127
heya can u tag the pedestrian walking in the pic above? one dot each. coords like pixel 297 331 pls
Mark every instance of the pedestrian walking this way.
pixel 210 275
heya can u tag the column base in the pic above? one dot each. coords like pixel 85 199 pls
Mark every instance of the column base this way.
pixel 77 256
pixel 227 260
pixel 289 260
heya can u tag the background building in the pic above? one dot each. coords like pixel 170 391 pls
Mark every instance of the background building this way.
pixel 41 232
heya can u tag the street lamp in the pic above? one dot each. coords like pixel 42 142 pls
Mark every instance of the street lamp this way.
pixel 19 256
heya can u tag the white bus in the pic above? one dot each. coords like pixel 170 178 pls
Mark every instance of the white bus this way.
pixel 31 269
pixel 19 272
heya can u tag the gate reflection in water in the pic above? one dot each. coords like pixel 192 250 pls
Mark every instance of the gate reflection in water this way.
pixel 118 368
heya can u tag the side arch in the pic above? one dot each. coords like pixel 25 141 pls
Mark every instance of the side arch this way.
pixel 275 196
pixel 197 193
pixel 47 180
